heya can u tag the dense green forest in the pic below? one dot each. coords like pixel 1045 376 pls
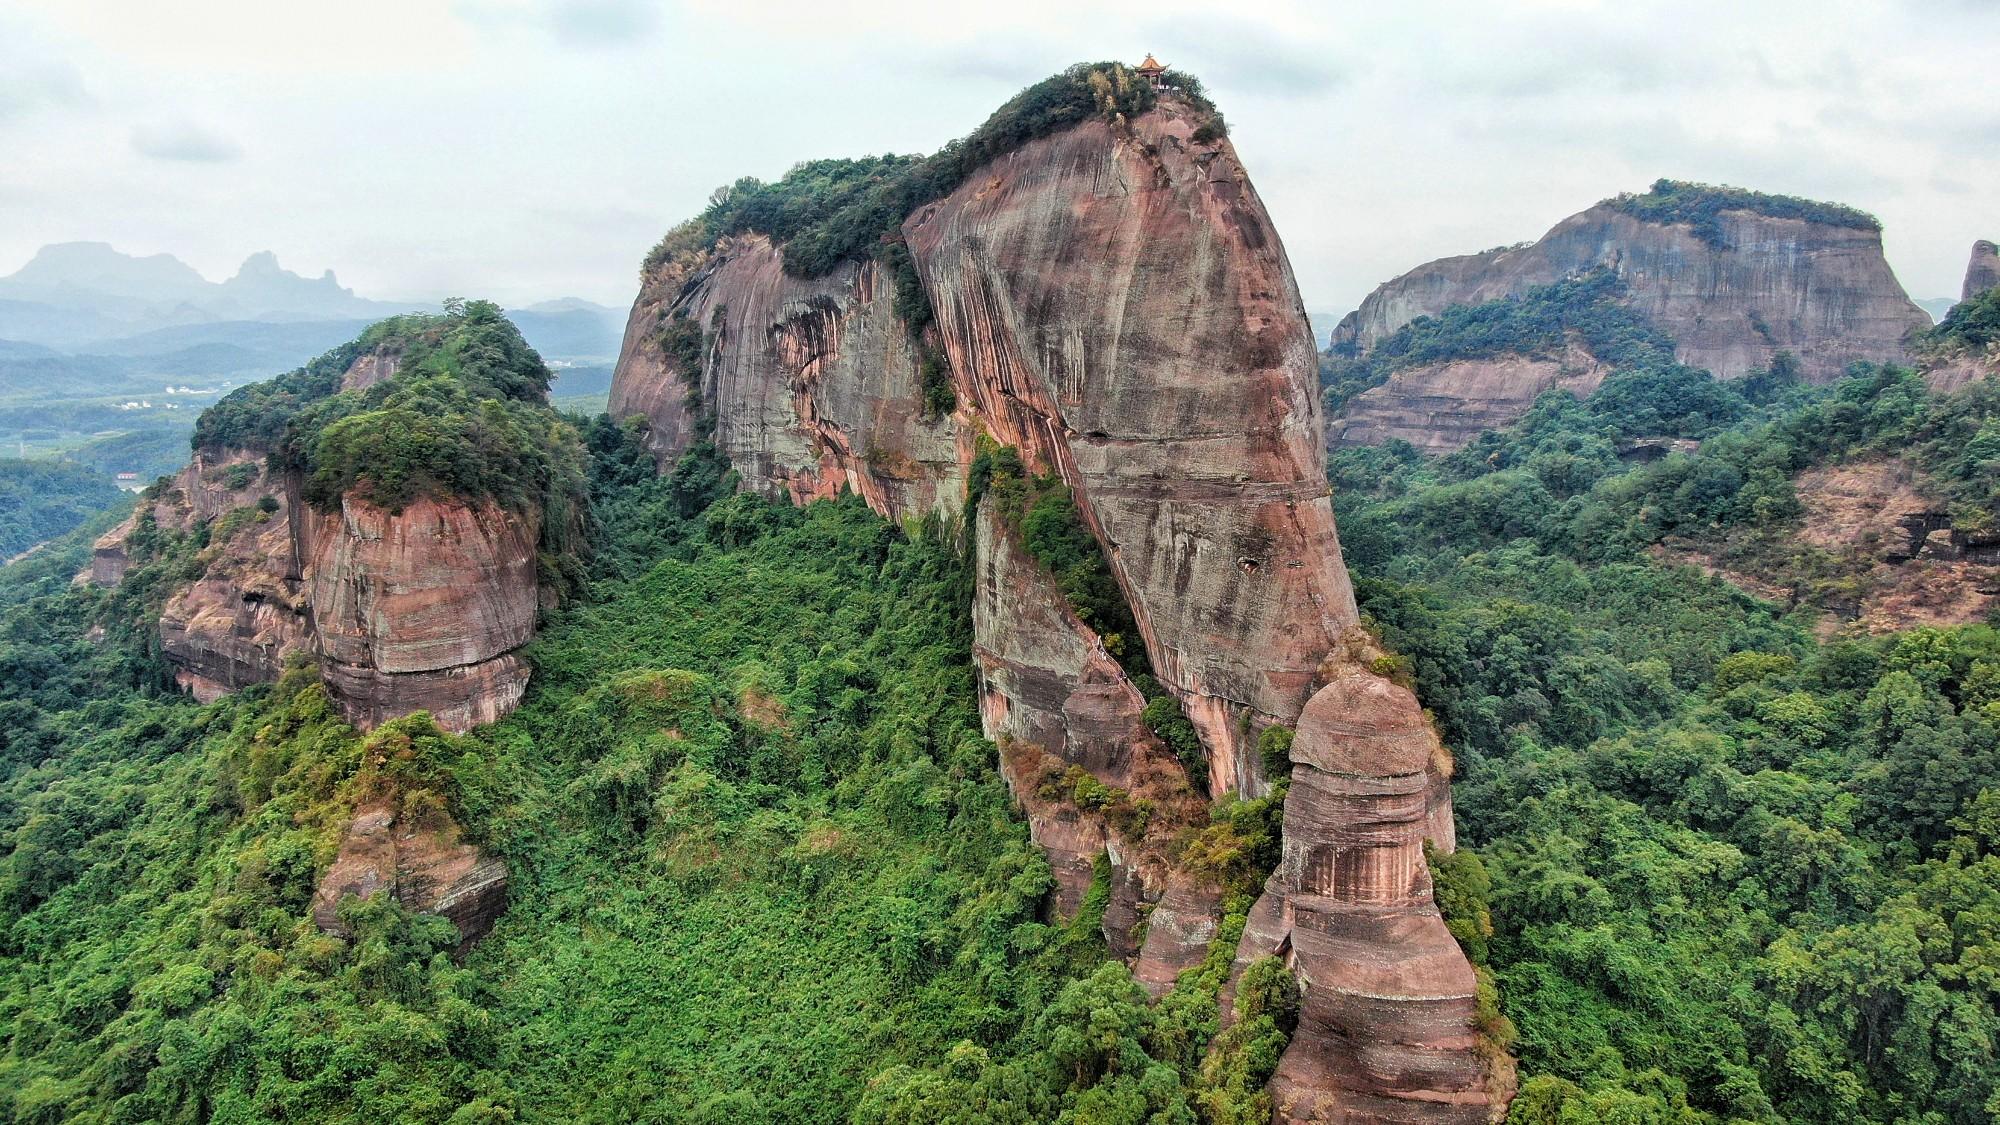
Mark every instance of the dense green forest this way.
pixel 40 500
pixel 465 415
pixel 1721 870
pixel 1972 323
pixel 764 867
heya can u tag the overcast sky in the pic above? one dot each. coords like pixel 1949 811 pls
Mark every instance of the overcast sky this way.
pixel 525 149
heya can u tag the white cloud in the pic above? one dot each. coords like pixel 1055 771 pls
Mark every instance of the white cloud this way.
pixel 184 141
pixel 35 75
pixel 530 148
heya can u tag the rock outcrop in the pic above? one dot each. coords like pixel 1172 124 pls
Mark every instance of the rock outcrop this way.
pixel 1113 302
pixel 417 610
pixel 1439 407
pixel 237 623
pixel 421 610
pixel 1983 271
pixel 1054 698
pixel 1821 291
pixel 423 865
pixel 1387 1022
pixel 1953 362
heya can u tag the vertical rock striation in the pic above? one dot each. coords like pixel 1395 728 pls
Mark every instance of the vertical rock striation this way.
pixel 417 610
pixel 1114 303
pixel 422 610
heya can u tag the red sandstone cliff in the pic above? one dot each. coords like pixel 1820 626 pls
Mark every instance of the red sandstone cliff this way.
pixel 421 610
pixel 423 865
pixel 1822 292
pixel 1439 407
pixel 416 610
pixel 1114 302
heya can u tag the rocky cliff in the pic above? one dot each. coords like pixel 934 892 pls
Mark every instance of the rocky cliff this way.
pixel 1958 353
pixel 417 608
pixel 1983 271
pixel 1730 293
pixel 1112 302
pixel 422 610
pixel 1439 407
pixel 423 865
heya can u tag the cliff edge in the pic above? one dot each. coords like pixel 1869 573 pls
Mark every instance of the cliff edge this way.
pixel 1109 301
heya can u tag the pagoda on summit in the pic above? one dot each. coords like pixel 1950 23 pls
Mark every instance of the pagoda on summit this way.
pixel 1152 71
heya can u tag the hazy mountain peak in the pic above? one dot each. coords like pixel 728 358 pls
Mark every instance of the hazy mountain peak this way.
pixel 102 267
pixel 260 277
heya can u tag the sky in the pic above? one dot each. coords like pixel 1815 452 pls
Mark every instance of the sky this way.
pixel 529 149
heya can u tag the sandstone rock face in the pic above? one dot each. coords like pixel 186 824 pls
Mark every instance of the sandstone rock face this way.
pixel 237 623
pixel 416 610
pixel 421 610
pixel 1054 698
pixel 1119 307
pixel 425 866
pixel 814 383
pixel 1386 1028
pixel 1440 407
pixel 1114 303
pixel 1947 374
pixel 370 368
pixel 1983 271
pixel 1823 292
pixel 108 560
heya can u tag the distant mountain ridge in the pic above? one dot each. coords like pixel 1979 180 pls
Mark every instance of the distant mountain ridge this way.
pixel 90 297
pixel 135 294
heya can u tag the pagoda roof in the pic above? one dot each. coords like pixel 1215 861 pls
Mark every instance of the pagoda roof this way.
pixel 1151 63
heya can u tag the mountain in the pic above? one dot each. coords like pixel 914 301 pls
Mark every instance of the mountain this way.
pixel 572 328
pixel 77 295
pixel 412 600
pixel 1964 348
pixel 1160 605
pixel 69 272
pixel 1936 306
pixel 941 693
pixel 1727 278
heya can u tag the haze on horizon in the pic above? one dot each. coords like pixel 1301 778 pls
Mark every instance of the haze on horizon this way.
pixel 527 149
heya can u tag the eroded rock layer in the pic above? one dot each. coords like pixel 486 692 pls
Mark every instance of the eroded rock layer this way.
pixel 1822 292
pixel 1055 699
pixel 1113 302
pixel 423 865
pixel 416 610
pixel 1386 1028
pixel 422 609
pixel 1439 407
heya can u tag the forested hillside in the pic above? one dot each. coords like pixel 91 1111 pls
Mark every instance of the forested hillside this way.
pixel 1720 868
pixel 750 819
pixel 40 500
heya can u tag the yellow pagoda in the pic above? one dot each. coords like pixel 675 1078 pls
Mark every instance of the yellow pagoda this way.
pixel 1152 71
